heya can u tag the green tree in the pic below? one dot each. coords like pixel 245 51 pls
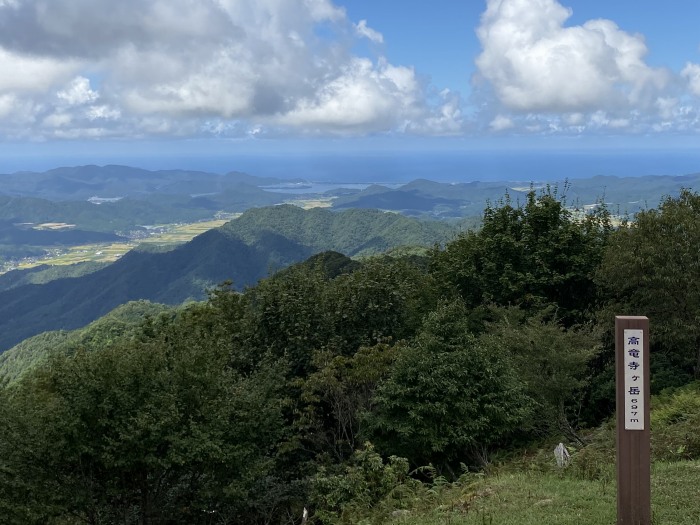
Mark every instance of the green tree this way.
pixel 153 431
pixel 531 255
pixel 347 496
pixel 652 267
pixel 447 398
pixel 303 310
pixel 337 394
pixel 553 364
pixel 384 300
pixel 290 316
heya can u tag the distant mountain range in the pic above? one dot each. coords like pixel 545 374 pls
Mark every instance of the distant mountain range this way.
pixel 100 194
pixel 113 198
pixel 447 201
pixel 97 203
pixel 264 239
pixel 112 181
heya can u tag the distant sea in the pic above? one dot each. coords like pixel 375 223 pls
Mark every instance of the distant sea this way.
pixel 396 168
pixel 464 167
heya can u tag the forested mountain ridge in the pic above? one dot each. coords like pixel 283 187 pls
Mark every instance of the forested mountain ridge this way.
pixel 202 190
pixel 121 322
pixel 46 273
pixel 244 250
pixel 352 232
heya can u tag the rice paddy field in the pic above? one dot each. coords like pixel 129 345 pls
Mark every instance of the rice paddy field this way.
pixel 161 235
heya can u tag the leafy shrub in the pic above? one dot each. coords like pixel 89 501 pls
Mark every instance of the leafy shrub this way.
pixel 344 497
pixel 596 460
pixel 675 421
pixel 448 398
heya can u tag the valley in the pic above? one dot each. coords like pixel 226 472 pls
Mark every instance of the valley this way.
pixel 161 236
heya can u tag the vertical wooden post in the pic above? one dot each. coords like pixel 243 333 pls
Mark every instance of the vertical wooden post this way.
pixel 633 436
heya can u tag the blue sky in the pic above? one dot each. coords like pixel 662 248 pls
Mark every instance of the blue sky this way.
pixel 94 80
pixel 439 37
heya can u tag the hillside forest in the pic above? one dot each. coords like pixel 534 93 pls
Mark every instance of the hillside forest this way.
pixel 331 384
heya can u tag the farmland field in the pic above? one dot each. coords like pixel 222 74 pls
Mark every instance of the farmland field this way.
pixel 162 235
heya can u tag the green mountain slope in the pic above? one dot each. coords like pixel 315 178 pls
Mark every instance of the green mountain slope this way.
pixel 44 273
pixel 244 250
pixel 119 323
pixel 352 232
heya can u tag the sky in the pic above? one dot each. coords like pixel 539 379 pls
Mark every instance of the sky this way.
pixel 98 79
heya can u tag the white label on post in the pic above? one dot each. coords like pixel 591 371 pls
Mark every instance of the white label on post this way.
pixel 634 379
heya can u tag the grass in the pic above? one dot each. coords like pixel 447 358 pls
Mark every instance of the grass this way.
pixel 676 493
pixel 528 489
pixel 525 487
pixel 556 498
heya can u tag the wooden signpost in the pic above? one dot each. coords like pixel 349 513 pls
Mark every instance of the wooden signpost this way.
pixel 633 445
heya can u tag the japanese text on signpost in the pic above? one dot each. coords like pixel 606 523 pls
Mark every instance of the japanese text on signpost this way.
pixel 634 379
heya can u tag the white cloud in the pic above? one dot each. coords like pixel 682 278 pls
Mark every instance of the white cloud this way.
pixel 536 63
pixel 619 123
pixel 574 119
pixel 78 92
pixel 501 123
pixel 363 30
pixel 30 74
pixel 538 74
pixel 277 67
pixel 324 10
pixel 102 113
pixel 58 120
pixel 7 105
pixel 447 121
pixel 182 66
pixel 603 120
pixel 691 73
pixel 363 97
pixel 667 107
